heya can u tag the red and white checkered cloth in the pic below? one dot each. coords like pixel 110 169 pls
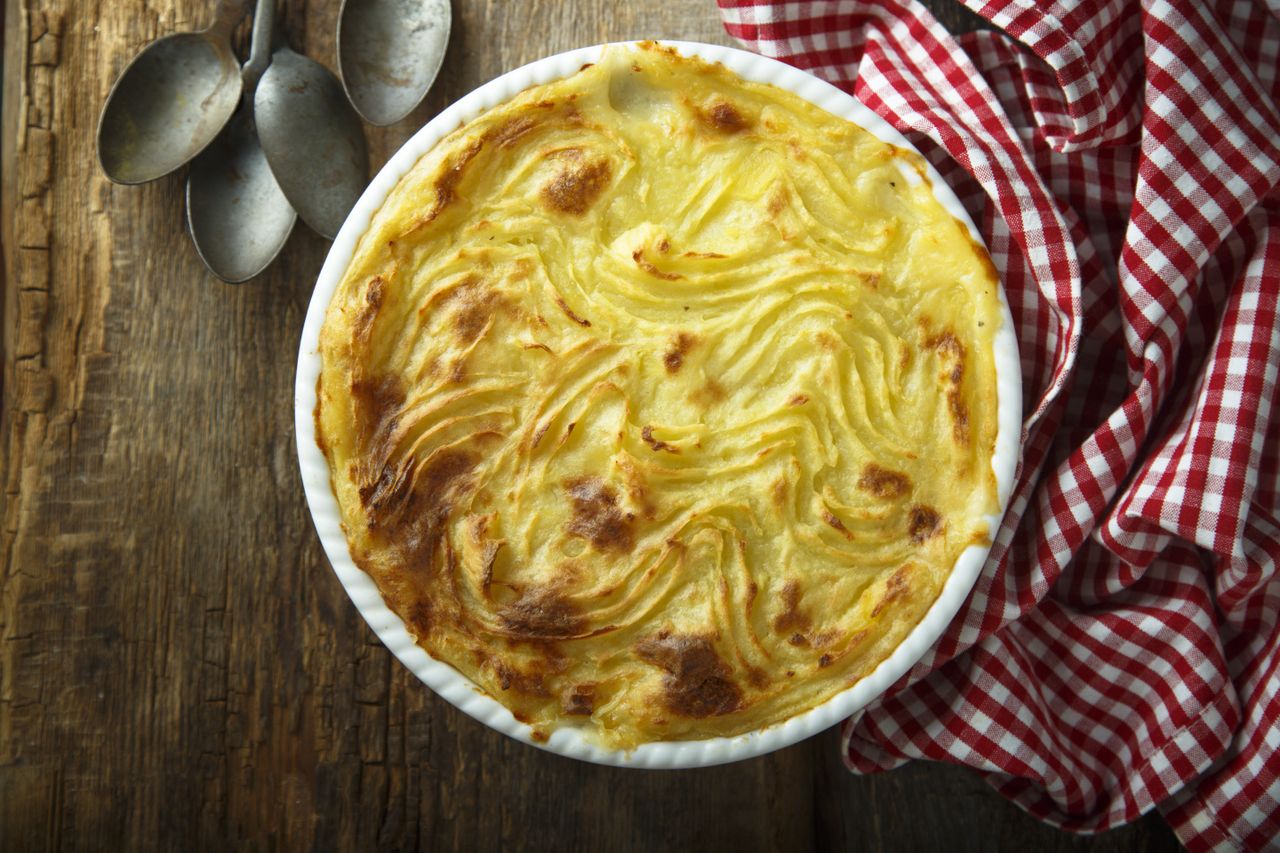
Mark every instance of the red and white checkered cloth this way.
pixel 1121 651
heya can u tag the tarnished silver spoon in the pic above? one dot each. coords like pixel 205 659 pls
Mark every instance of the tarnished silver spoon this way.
pixel 389 53
pixel 312 138
pixel 238 216
pixel 172 101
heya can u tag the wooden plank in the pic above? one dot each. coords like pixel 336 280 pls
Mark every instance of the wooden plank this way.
pixel 178 663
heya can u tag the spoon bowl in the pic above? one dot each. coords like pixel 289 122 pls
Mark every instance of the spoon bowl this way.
pixel 172 101
pixel 389 53
pixel 238 216
pixel 312 139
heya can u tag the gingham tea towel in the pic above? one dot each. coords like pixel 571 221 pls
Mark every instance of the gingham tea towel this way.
pixel 1120 651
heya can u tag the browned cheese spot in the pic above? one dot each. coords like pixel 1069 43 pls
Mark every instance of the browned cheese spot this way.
pixel 711 392
pixel 574 190
pixel 824 661
pixel 884 482
pixel 538 434
pixel 698 683
pixel 411 509
pixel 923 522
pixel 377 405
pixel 947 345
pixel 510 678
pixel 646 433
pixel 524 268
pixel 542 614
pixel 445 474
pixel 419 618
pixel 568 312
pixel 478 526
pixel 703 256
pixel 674 357
pixel 798 400
pixel 490 559
pixel 539 735
pixel 830 518
pixel 447 181
pixel 723 117
pixel 792 618
pixel 778 201
pixel 757 677
pixel 580 700
pixel 645 264
pixel 476 306
pixel 597 516
pixel 780 492
pixel 664 246
pixel 382 493
pixel 828 342
pixel 638 491
pixel 362 327
pixel 894 588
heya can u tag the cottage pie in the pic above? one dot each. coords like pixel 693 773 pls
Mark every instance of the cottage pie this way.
pixel 660 403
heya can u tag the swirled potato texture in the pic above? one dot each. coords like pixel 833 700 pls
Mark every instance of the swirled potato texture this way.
pixel 661 403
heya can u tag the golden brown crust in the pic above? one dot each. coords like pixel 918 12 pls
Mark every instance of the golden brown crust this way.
pixel 884 483
pixel 698 683
pixel 673 359
pixel 633 411
pixel 597 516
pixel 577 187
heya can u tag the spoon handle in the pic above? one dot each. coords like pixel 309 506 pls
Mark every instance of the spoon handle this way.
pixel 225 17
pixel 264 24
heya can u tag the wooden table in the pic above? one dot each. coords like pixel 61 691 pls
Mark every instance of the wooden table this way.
pixel 178 665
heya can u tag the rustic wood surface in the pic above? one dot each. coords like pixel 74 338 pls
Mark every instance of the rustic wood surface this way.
pixel 178 665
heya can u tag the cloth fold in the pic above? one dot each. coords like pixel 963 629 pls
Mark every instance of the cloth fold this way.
pixel 1120 650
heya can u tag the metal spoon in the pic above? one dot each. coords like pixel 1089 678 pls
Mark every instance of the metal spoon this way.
pixel 238 217
pixel 389 53
pixel 171 101
pixel 312 138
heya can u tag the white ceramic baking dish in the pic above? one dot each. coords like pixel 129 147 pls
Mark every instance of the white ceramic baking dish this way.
pixel 441 677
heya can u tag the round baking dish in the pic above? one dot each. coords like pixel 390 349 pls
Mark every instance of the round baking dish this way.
pixel 445 680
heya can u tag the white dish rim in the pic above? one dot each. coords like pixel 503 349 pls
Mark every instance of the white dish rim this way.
pixel 447 682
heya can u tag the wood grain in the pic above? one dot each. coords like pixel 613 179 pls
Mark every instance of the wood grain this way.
pixel 178 665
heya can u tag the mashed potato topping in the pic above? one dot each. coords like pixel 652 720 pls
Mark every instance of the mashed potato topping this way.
pixel 661 403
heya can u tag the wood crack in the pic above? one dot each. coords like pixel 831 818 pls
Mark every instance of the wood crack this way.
pixel 29 386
